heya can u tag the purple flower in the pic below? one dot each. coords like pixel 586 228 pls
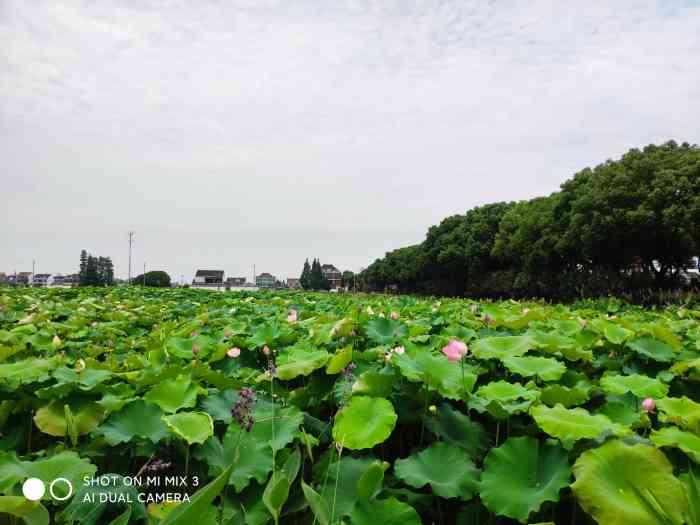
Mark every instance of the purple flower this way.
pixel 242 410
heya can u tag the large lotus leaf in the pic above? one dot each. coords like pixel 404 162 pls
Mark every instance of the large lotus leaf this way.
pixel 251 452
pixel 612 332
pixel 437 373
pixel 173 394
pixel 680 411
pixel 571 424
pixel 300 360
pixel 182 347
pixel 31 512
pixel 449 471
pixel 137 419
pixel 384 331
pixel 51 418
pixel 622 409
pixel 218 405
pixel 545 368
pixel 385 511
pixel 552 342
pixel 65 464
pixel 653 349
pixel 338 483
pixel 339 360
pixel 607 476
pixel 374 383
pixel 458 429
pixel 675 437
pixel 91 501
pixel 639 385
pixel 520 475
pixel 364 422
pixel 26 371
pixel 193 427
pixel 567 396
pixel 501 398
pixel 502 347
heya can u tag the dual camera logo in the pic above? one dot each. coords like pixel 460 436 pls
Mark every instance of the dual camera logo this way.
pixel 34 489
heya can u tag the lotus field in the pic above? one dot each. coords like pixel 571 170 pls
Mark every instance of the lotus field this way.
pixel 187 406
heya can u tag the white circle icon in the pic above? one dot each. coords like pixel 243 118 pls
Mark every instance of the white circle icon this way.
pixel 70 489
pixel 33 489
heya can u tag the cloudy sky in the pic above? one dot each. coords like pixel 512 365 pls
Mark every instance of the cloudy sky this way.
pixel 232 133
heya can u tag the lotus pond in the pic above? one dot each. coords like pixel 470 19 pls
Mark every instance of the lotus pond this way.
pixel 186 406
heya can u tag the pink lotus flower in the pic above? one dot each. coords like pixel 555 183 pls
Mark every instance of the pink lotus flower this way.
pixel 394 315
pixel 266 350
pixel 398 350
pixel 292 317
pixel 455 350
pixel 234 352
pixel 649 405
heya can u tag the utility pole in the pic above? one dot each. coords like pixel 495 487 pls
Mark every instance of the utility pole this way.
pixel 33 270
pixel 255 282
pixel 131 240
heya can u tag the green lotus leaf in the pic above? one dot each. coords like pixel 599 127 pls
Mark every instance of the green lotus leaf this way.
pixel 459 429
pixel 218 405
pixel 173 394
pixel 348 472
pixel 653 349
pixel 567 396
pixel 520 475
pixel 448 469
pixel 66 464
pixel 552 342
pixel 385 511
pixel 675 437
pixel 193 427
pixel 622 409
pixel 51 417
pixel 502 347
pixel 364 422
pixel 680 411
pixel 639 385
pixel 31 512
pixel 339 361
pixel 91 501
pixel 182 347
pixel 501 399
pixel 385 331
pixel 606 479
pixel 611 331
pixel 545 368
pixel 26 371
pixel 437 373
pixel 137 419
pixel 571 424
pixel 300 360
pixel 373 383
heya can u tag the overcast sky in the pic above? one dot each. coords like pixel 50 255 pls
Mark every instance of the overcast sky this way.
pixel 232 133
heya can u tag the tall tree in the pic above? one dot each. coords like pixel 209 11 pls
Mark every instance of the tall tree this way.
pixel 82 274
pixel 305 278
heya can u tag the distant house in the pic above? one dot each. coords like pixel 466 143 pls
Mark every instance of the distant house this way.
pixel 293 282
pixel 208 278
pixel 41 280
pixel 235 281
pixel 66 280
pixel 333 275
pixel 265 280
pixel 23 278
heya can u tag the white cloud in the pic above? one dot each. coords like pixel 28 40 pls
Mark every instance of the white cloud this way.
pixel 274 120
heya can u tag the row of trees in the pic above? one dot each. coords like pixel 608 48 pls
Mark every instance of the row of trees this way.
pixel 95 271
pixel 154 279
pixel 312 277
pixel 626 225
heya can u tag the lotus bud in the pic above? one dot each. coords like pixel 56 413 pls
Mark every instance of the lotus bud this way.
pixel 649 405
pixel 80 365
pixel 394 315
pixel 432 409
pixel 266 350
pixel 195 350
pixel 56 340
pixel 227 333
